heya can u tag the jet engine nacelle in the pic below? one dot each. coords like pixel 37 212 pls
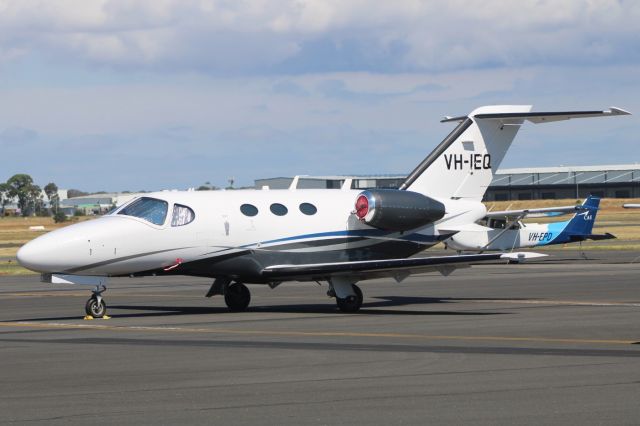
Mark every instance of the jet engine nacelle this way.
pixel 396 210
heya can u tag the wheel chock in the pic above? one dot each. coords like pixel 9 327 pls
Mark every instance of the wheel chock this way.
pixel 106 317
pixel 87 317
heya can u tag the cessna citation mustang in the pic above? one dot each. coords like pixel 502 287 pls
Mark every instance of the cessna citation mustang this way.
pixel 505 231
pixel 272 236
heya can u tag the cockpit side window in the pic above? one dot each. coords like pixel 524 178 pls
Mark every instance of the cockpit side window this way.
pixel 182 215
pixel 150 209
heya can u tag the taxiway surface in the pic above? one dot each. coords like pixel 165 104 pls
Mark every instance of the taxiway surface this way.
pixel 493 344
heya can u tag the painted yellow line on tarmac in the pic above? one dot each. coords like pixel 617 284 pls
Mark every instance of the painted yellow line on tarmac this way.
pixel 54 325
pixel 180 296
pixel 87 294
pixel 555 302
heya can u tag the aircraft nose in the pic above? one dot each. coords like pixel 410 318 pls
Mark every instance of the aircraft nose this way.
pixel 36 255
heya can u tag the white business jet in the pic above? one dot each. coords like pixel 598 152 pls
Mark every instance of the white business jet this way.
pixel 271 236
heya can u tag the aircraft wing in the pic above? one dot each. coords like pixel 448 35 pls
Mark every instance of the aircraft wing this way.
pixel 395 268
pixel 541 212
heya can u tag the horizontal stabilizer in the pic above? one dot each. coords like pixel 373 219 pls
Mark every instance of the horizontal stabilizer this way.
pixel 598 237
pixel 540 117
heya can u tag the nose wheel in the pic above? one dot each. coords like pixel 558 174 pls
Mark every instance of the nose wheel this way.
pixel 95 306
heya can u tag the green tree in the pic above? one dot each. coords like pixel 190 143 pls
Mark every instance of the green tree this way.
pixel 51 189
pixel 59 217
pixel 22 187
pixel 4 197
pixel 76 193
pixel 36 202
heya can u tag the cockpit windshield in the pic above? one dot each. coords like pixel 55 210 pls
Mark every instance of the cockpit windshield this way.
pixel 150 209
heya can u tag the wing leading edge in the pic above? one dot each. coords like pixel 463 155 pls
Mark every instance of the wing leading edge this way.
pixel 395 268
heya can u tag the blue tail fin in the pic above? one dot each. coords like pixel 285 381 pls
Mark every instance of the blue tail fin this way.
pixel 582 222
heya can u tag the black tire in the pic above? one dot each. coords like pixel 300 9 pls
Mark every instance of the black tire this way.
pixel 237 297
pixel 95 309
pixel 352 303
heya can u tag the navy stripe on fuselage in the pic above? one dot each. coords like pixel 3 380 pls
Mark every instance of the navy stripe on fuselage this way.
pixel 355 235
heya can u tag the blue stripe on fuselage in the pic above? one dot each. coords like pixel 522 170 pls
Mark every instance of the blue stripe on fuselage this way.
pixel 358 233
pixel 553 234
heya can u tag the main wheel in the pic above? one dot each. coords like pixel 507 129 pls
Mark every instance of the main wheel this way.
pixel 237 297
pixel 94 308
pixel 352 303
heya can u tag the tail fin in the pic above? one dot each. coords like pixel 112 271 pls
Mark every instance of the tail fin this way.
pixel 582 222
pixel 463 164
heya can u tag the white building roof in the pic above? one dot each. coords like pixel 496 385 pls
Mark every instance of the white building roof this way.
pixel 565 169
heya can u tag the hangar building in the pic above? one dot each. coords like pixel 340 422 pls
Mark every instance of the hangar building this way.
pixel 610 181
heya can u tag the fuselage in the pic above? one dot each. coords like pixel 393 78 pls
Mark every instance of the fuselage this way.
pixel 520 235
pixel 229 233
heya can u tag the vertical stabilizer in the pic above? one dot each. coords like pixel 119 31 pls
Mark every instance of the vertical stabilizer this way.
pixel 463 164
pixel 582 222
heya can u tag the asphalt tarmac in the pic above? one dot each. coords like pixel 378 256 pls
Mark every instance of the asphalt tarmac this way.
pixel 554 342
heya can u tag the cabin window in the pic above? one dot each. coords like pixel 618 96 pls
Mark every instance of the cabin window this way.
pixel 182 215
pixel 150 209
pixel 308 209
pixel 249 210
pixel 278 209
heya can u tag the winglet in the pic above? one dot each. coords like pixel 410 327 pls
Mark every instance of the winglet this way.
pixel 618 111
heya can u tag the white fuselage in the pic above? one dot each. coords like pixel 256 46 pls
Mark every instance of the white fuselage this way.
pixel 521 235
pixel 221 240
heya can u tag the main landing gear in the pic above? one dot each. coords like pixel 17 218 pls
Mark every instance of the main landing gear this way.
pixel 353 303
pixel 236 295
pixel 348 295
pixel 95 306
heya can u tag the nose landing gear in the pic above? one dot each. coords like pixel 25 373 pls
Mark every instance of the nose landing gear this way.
pixel 95 306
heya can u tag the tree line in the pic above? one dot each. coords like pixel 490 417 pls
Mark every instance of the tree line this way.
pixel 29 196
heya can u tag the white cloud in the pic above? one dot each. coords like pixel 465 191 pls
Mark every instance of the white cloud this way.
pixel 262 36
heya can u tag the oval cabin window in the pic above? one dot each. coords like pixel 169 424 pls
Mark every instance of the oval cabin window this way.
pixel 249 210
pixel 278 209
pixel 308 209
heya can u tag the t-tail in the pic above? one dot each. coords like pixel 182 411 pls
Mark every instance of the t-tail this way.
pixel 462 166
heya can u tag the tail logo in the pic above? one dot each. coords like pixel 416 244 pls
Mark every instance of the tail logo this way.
pixel 471 161
pixel 587 215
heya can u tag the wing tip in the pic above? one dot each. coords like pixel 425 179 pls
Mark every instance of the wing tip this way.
pixel 618 111
pixel 523 255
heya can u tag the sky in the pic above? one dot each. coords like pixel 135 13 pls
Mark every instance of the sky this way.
pixel 135 95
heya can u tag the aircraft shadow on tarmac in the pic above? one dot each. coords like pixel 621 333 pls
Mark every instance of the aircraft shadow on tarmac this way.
pixel 369 308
